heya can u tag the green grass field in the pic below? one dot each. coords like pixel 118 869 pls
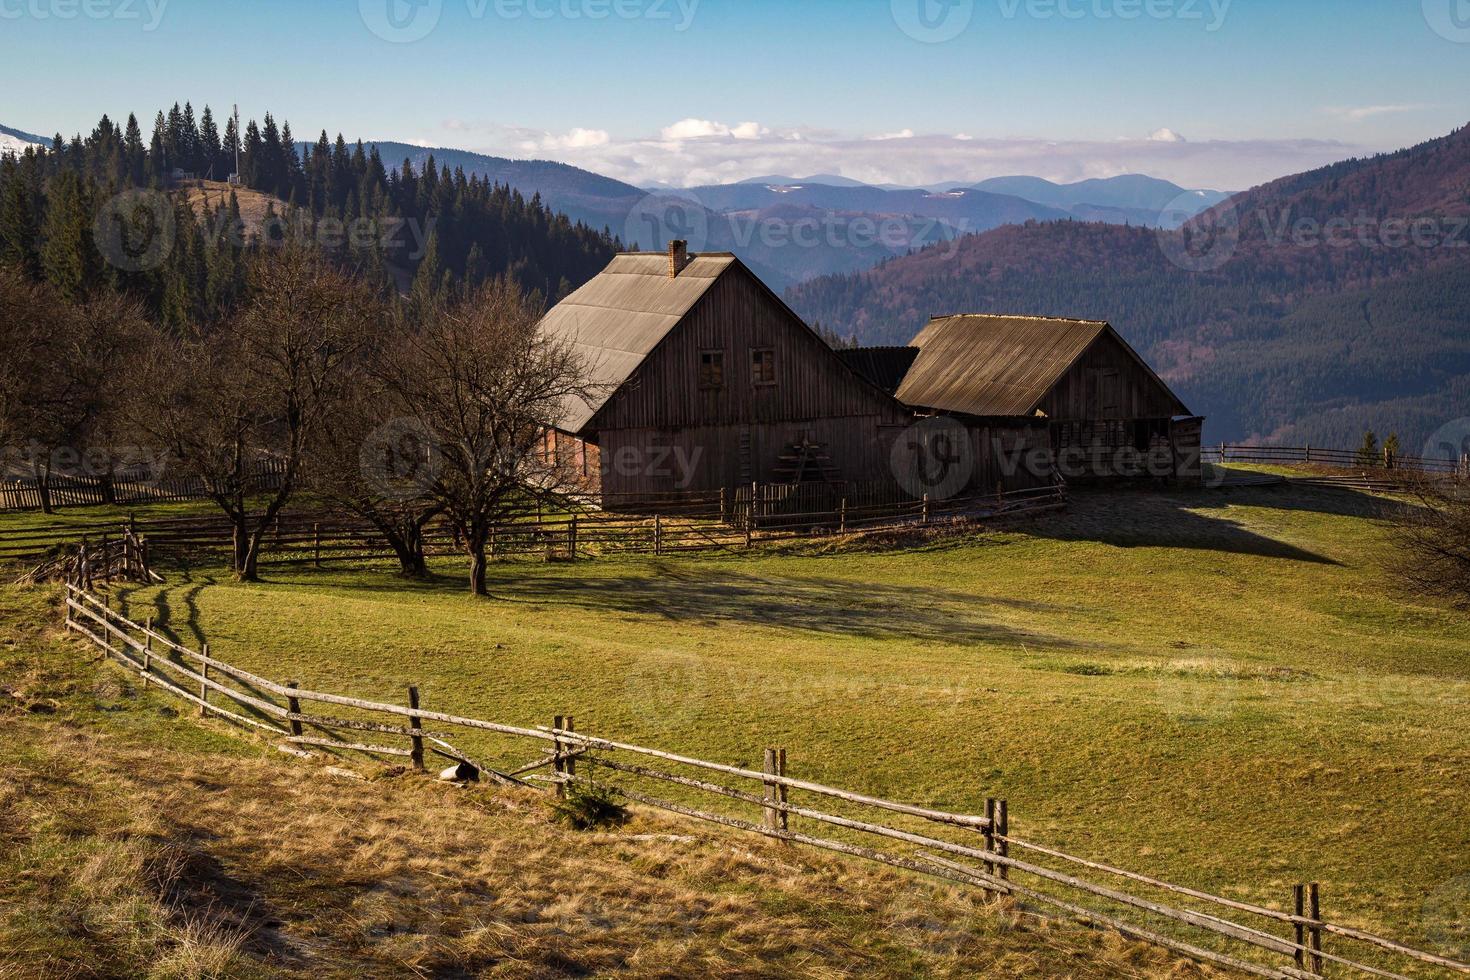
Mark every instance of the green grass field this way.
pixel 1222 688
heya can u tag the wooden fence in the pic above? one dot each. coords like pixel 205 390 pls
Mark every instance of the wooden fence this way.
pixel 1336 458
pixel 977 850
pixel 560 528
pixel 124 488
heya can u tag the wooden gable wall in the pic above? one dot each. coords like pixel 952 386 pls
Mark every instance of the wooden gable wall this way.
pixel 1109 383
pixel 737 316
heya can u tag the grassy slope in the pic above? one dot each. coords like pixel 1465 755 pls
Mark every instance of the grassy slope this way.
pixel 1222 688
pixel 135 841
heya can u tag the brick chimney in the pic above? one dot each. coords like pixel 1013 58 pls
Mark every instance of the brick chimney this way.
pixel 678 258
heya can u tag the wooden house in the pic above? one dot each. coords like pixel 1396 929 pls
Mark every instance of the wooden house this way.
pixel 1106 413
pixel 703 379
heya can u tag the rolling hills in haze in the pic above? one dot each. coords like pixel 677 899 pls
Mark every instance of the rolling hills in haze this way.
pixel 1308 309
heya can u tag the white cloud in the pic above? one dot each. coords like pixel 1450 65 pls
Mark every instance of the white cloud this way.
pixel 1358 113
pixel 903 134
pixel 693 129
pixel 579 139
pixel 1166 135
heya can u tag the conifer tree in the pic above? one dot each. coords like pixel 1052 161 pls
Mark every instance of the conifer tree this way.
pixel 69 259
pixel 209 145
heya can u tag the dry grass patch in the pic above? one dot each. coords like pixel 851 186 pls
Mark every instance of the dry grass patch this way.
pixel 137 842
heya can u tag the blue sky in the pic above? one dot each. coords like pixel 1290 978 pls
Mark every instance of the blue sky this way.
pixel 693 90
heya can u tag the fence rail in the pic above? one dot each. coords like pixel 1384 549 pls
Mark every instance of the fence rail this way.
pixel 1337 458
pixel 910 834
pixel 558 529
pixel 126 487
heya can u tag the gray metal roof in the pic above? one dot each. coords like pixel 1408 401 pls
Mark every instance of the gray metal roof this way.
pixel 979 364
pixel 621 315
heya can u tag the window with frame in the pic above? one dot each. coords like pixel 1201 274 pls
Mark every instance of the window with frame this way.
pixel 712 369
pixel 762 366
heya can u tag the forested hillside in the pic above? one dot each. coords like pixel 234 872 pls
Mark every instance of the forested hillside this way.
pixel 64 211
pixel 1310 308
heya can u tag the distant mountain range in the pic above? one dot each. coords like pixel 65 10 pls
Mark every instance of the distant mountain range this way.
pixel 790 230
pixel 1306 310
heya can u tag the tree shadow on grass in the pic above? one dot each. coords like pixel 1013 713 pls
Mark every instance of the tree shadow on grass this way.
pixel 707 595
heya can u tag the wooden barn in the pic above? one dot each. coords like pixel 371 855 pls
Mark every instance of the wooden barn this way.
pixel 703 380
pixel 1106 414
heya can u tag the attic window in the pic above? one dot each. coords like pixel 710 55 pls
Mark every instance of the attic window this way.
pixel 711 369
pixel 762 366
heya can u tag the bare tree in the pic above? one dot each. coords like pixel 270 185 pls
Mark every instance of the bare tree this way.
pixel 1434 540
pixel 372 463
pixel 237 409
pixel 24 314
pixel 485 384
pixel 62 386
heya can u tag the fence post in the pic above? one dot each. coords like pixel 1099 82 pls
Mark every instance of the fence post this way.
pixel 724 505
pixel 990 812
pixel 1388 460
pixel 775 765
pixel 926 508
pixel 1299 903
pixel 569 765
pixel 106 559
pixel 1002 829
pixel 147 560
pixel 293 705
pixel 842 517
pixel 316 544
pixel 1307 454
pixel 572 538
pixel 1314 912
pixel 558 763
pixel 204 687
pixel 147 649
pixel 414 722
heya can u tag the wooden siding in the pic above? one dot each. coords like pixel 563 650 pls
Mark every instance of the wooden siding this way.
pixel 1108 383
pixel 663 431
pixel 738 315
